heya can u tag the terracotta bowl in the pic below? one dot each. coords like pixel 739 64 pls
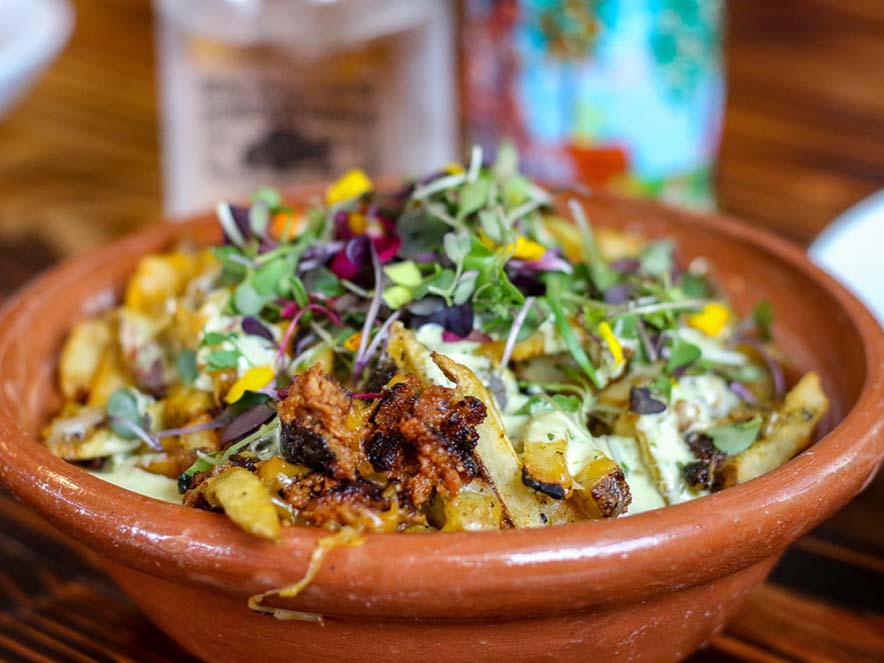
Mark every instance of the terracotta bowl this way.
pixel 651 587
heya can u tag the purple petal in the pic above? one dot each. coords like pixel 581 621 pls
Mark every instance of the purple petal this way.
pixel 255 328
pixel 641 402
pixel 618 294
pixel 247 422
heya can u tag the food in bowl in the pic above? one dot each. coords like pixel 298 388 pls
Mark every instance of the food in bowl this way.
pixel 450 356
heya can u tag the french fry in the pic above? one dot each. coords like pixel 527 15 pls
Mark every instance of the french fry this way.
pixel 81 356
pixel 473 509
pixel 546 469
pixel 523 506
pixel 787 434
pixel 601 490
pixel 246 501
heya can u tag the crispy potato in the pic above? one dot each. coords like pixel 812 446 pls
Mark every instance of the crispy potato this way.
pixel 158 278
pixel 474 508
pixel 546 469
pixel 245 500
pixel 789 432
pixel 205 440
pixel 110 375
pixel 601 490
pixel 500 464
pixel 533 346
pixel 81 355
pixel 183 404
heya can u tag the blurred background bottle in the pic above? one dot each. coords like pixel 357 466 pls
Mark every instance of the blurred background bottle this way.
pixel 281 92
pixel 626 93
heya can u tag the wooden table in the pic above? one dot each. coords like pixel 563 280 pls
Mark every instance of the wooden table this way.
pixel 804 139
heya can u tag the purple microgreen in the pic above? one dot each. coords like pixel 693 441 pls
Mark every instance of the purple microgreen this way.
pixel 618 294
pixel 650 348
pixel 375 344
pixel 133 430
pixel 327 312
pixel 641 402
pixel 773 366
pixel 514 333
pixel 248 421
pixel 743 392
pixel 287 337
pixel 626 265
pixel 457 319
pixel 360 360
pixel 234 226
pixel 254 327
pixel 217 422
pixel 550 262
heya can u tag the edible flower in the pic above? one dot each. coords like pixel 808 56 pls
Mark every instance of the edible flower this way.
pixel 453 168
pixel 607 334
pixel 521 249
pixel 284 223
pixel 352 184
pixel 352 342
pixel 252 380
pixel 711 319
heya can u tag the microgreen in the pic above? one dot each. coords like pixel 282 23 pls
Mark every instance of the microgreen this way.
pixel 187 368
pixel 681 354
pixel 218 360
pixel 734 438
pixel 763 317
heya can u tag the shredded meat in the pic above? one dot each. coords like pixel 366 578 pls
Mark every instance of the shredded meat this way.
pixel 704 472
pixel 425 439
pixel 322 500
pixel 315 433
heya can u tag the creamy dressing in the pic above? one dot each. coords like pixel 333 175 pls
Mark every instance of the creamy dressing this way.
pixel 126 475
pixel 697 401
pixel 626 452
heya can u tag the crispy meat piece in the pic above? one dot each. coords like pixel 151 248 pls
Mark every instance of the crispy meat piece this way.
pixel 425 438
pixel 704 473
pixel 321 500
pixel 315 433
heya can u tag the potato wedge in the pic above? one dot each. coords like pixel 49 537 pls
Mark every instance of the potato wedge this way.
pixel 81 356
pixel 246 502
pixel 110 375
pixel 601 490
pixel 500 464
pixel 788 433
pixel 473 509
pixel 545 468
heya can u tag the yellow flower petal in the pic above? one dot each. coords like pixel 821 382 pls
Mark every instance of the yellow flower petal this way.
pixel 358 223
pixel 352 184
pixel 453 168
pixel 352 342
pixel 527 250
pixel 711 320
pixel 611 341
pixel 252 380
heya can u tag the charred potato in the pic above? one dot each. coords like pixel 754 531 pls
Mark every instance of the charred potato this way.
pixel 788 433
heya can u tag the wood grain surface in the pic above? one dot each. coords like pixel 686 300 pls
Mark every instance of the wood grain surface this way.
pixel 803 140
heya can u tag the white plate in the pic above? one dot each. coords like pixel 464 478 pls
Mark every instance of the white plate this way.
pixel 32 32
pixel 851 249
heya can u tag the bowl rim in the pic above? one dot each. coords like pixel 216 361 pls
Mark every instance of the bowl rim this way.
pixel 513 572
